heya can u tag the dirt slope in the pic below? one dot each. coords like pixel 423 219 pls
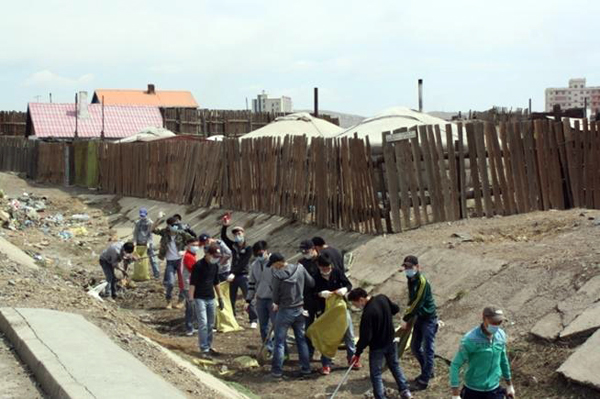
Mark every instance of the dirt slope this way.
pixel 528 264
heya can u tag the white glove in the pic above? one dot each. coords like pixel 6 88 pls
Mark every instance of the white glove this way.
pixel 325 294
pixel 510 390
pixel 161 214
pixel 230 278
pixel 342 291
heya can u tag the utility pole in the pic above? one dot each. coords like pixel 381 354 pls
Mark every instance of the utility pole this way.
pixel 316 111
pixel 420 83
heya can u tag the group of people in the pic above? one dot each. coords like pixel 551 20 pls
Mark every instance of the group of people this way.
pixel 280 294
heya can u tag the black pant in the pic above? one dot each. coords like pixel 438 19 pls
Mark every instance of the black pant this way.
pixel 498 393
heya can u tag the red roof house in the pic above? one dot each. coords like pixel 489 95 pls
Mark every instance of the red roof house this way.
pixel 47 120
pixel 151 97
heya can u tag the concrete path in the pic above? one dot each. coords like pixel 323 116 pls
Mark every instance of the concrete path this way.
pixel 72 358
pixel 15 381
pixel 15 254
pixel 583 365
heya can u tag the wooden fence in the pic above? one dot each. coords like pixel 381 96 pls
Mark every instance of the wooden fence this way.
pixel 329 183
pixel 229 123
pixel 516 168
pixel 13 123
pixel 482 170
pixel 18 155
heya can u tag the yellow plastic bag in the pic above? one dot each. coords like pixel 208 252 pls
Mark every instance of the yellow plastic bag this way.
pixel 140 267
pixel 226 321
pixel 327 332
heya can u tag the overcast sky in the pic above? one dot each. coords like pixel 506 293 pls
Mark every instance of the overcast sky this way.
pixel 363 55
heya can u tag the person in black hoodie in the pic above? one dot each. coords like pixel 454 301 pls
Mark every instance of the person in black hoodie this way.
pixel 238 278
pixel 311 304
pixel 377 332
pixel 331 281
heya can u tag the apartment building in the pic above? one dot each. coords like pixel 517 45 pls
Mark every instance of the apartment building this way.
pixel 263 103
pixel 577 95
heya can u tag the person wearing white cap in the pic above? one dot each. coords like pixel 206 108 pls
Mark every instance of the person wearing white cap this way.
pixel 241 253
pixel 484 349
pixel 142 236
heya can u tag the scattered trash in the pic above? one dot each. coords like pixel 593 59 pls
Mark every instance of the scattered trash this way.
pixel 65 235
pixel 245 363
pixel 464 237
pixel 78 231
pixel 83 217
pixel 95 291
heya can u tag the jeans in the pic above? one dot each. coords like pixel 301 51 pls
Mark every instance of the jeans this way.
pixel 109 274
pixel 423 346
pixel 286 318
pixel 497 393
pixel 307 322
pixel 390 354
pixel 189 313
pixel 264 310
pixel 153 262
pixel 241 282
pixel 205 312
pixel 169 278
pixel 348 340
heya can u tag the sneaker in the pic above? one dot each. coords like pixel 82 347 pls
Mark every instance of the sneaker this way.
pixel 406 394
pixel 253 325
pixel 179 305
pixel 325 370
pixel 169 305
pixel 276 377
pixel 418 385
pixel 190 333
pixel 213 352
pixel 205 355
pixel 356 366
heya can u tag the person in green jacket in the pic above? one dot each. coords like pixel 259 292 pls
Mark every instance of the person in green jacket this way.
pixel 484 349
pixel 421 311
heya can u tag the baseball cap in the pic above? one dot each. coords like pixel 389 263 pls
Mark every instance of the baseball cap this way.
pixel 143 212
pixel 306 245
pixel 237 228
pixel 411 259
pixel 493 313
pixel 203 237
pixel 274 258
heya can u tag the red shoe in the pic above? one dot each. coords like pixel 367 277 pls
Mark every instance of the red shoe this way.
pixel 356 366
pixel 325 370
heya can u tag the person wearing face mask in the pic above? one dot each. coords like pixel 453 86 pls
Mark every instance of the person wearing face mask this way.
pixel 192 252
pixel 484 350
pixel 204 283
pixel 225 263
pixel 311 306
pixel 110 258
pixel 240 259
pixel 377 333
pixel 288 285
pixel 172 241
pixel 330 281
pixel 421 308
pixel 142 237
pixel 184 226
pixel 259 290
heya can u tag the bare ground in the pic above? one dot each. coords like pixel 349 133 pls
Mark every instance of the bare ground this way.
pixel 535 244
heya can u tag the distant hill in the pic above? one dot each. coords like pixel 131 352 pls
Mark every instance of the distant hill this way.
pixel 346 120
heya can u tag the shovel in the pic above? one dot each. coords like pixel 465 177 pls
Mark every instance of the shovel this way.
pixel 344 379
pixel 262 355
